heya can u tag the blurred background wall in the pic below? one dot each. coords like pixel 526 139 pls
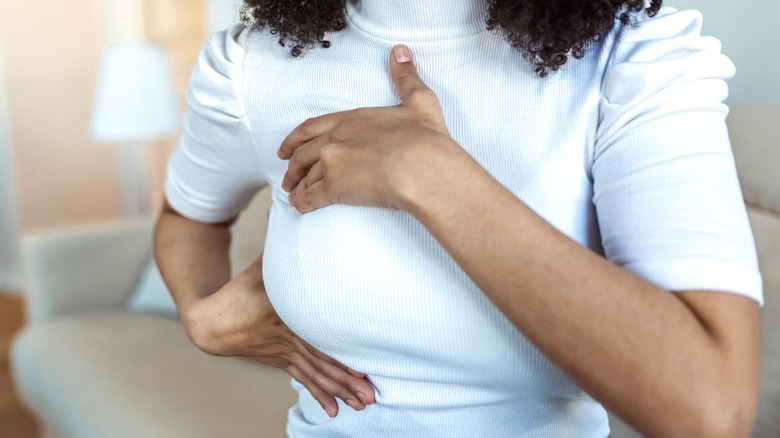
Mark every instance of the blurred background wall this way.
pixel 750 36
pixel 52 174
pixel 51 50
pixel 222 14
pixel 8 259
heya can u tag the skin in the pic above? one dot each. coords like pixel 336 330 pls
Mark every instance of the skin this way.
pixel 670 364
pixel 227 317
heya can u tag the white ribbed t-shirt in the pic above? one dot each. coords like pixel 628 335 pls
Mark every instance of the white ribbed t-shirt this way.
pixel 625 151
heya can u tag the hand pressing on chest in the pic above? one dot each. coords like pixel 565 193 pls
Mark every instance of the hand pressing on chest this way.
pixel 383 156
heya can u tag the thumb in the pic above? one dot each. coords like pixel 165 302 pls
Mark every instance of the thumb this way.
pixel 407 82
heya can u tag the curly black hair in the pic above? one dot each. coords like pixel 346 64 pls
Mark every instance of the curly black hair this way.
pixel 547 32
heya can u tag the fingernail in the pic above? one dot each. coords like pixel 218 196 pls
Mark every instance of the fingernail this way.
pixel 362 397
pixel 329 411
pixel 402 54
pixel 352 404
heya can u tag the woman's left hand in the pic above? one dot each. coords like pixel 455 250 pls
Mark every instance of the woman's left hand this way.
pixel 371 156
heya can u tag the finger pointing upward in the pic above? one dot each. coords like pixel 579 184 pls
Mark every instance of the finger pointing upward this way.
pixel 410 87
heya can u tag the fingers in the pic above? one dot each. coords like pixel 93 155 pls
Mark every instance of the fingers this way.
pixel 325 400
pixel 333 381
pixel 307 131
pixel 359 386
pixel 301 161
pixel 307 198
pixel 309 194
pixel 356 373
pixel 408 84
pixel 325 378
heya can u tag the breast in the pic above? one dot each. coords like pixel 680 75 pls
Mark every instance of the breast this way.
pixel 371 288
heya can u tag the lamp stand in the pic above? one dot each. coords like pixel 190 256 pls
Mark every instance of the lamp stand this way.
pixel 133 177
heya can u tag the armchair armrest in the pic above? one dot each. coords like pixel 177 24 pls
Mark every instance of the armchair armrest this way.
pixel 83 268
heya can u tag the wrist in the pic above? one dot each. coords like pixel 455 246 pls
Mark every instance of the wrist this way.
pixel 445 171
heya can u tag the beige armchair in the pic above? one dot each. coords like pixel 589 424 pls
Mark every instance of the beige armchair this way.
pixel 89 368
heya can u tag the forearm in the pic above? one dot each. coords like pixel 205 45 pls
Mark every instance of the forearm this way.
pixel 193 257
pixel 638 349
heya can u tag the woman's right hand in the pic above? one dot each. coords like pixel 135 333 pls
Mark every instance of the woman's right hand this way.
pixel 239 320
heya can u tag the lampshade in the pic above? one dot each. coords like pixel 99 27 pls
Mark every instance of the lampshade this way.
pixel 135 97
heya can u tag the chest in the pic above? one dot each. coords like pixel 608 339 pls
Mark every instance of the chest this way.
pixel 534 135
pixel 359 279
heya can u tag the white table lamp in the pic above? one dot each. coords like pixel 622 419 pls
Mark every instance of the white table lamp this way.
pixel 135 101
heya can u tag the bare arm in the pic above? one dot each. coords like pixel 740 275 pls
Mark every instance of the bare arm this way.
pixel 235 318
pixel 193 258
pixel 671 364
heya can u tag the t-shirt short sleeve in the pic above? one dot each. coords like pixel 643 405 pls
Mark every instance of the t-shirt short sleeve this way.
pixel 215 171
pixel 666 192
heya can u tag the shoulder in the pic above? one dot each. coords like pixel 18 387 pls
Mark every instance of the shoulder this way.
pixel 215 82
pixel 649 53
pixel 224 51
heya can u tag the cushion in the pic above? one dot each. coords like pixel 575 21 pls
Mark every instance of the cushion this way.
pixel 125 375
pixel 754 133
pixel 151 294
pixel 249 232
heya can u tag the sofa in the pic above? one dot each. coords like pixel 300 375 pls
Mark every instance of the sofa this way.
pixel 87 366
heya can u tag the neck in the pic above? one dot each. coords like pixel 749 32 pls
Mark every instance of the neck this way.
pixel 418 20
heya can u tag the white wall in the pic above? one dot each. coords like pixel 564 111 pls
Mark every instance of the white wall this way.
pixel 222 14
pixel 8 241
pixel 750 35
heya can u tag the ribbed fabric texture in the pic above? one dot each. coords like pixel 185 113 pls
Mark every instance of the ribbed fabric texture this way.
pixel 625 151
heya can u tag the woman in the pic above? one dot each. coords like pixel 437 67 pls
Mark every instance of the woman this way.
pixel 494 247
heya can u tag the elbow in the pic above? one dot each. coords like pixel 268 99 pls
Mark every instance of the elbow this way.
pixel 200 333
pixel 731 407
pixel 198 336
pixel 731 418
pixel 202 340
pixel 713 414
pixel 718 414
